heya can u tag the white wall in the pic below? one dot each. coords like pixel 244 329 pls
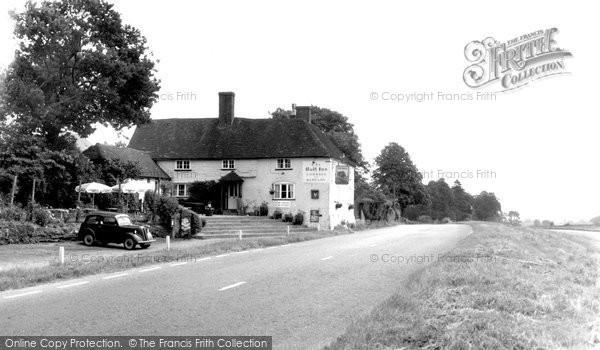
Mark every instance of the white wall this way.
pixel 259 175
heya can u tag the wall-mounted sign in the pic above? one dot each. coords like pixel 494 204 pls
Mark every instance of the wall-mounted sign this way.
pixel 314 194
pixel 315 172
pixel 283 204
pixel 314 215
pixel 342 175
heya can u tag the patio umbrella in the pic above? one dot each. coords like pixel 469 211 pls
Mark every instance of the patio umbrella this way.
pixel 93 188
pixel 133 186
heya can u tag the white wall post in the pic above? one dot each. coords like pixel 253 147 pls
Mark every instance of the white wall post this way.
pixel 168 243
pixel 288 230
pixel 240 235
pixel 318 226
pixel 61 255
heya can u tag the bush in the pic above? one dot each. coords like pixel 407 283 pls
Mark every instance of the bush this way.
pixel 288 217
pixel 425 219
pixel 166 207
pixel 205 191
pixel 41 216
pixel 12 213
pixel 299 218
pixel 446 220
pixel 12 232
pixel 277 214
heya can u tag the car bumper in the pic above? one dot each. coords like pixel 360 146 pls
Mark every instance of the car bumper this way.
pixel 148 241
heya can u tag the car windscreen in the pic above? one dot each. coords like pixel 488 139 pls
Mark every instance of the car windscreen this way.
pixel 123 220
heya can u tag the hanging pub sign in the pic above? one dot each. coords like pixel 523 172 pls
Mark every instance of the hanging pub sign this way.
pixel 342 175
pixel 315 172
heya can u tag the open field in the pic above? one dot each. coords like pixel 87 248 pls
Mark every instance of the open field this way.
pixel 590 228
pixel 500 288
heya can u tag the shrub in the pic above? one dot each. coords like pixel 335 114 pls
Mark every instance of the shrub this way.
pixel 446 220
pixel 41 216
pixel 277 214
pixel 12 213
pixel 12 232
pixel 425 219
pixel 299 218
pixel 205 191
pixel 166 207
pixel 288 217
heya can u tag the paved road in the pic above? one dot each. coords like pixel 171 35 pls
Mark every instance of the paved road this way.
pixel 304 294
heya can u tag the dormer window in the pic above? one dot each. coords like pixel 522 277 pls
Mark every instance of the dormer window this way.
pixel 182 165
pixel 284 163
pixel 228 164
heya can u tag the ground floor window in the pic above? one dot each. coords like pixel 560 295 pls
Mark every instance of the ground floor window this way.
pixel 284 190
pixel 181 190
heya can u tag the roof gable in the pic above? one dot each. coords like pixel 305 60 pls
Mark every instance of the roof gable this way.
pixel 148 167
pixel 244 139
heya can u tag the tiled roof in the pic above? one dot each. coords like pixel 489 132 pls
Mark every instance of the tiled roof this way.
pixel 244 139
pixel 149 169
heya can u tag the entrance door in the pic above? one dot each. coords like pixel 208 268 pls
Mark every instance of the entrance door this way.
pixel 233 193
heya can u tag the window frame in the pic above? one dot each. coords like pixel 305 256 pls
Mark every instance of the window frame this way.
pixel 228 164
pixel 186 165
pixel 290 191
pixel 185 190
pixel 284 166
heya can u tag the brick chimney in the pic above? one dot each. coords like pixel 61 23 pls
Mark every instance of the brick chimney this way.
pixel 226 106
pixel 303 112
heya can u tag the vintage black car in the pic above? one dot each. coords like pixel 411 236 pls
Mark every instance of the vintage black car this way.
pixel 104 227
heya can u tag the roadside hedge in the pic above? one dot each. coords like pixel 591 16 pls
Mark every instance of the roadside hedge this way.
pixel 19 232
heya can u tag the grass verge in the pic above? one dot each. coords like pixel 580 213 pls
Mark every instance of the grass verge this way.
pixel 500 288
pixel 18 277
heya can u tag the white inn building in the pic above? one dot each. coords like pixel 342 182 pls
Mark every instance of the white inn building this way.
pixel 289 164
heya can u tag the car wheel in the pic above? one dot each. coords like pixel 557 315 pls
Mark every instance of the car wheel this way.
pixel 129 244
pixel 144 246
pixel 88 239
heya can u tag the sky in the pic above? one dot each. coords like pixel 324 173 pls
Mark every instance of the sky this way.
pixel 534 147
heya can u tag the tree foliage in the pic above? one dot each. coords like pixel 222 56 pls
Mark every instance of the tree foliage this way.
pixel 396 175
pixel 486 207
pixel 441 198
pixel 337 126
pixel 513 218
pixel 463 202
pixel 77 64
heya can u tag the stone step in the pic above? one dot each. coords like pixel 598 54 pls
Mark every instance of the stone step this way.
pixel 257 230
pixel 234 217
pixel 252 224
pixel 204 235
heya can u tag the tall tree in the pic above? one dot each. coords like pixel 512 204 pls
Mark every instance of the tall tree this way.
pixel 514 218
pixel 486 207
pixel 338 127
pixel 463 202
pixel 442 200
pixel 397 176
pixel 77 64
